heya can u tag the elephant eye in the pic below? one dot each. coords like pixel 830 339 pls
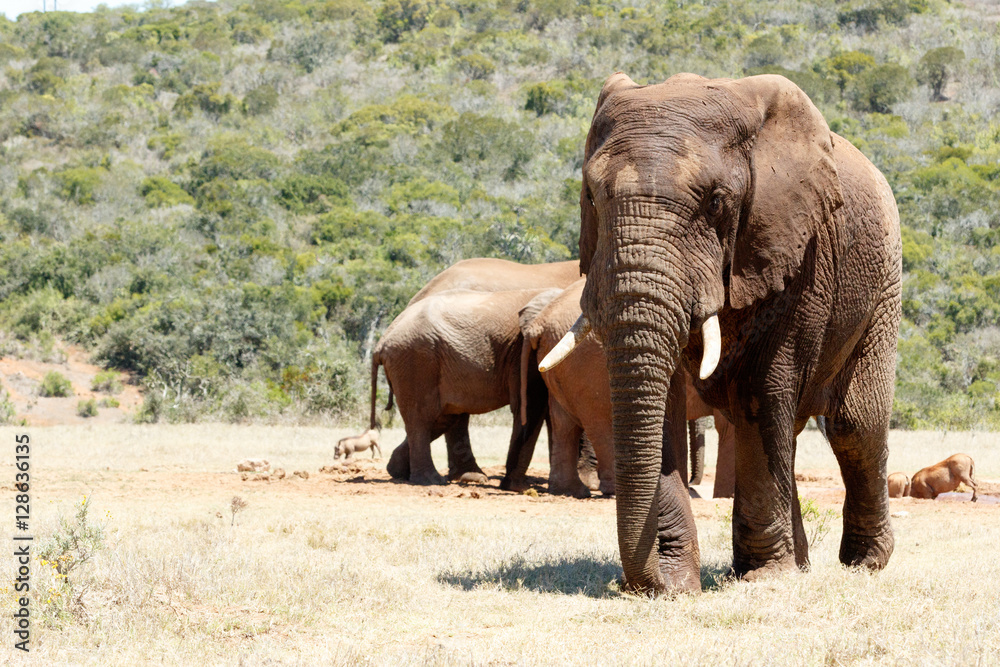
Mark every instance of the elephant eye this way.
pixel 715 205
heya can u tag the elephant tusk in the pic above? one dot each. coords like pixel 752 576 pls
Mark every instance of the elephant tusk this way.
pixel 566 344
pixel 712 337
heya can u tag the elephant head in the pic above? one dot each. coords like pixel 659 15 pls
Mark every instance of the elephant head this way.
pixel 699 197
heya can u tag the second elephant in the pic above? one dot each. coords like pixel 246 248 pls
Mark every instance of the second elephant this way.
pixel 580 399
pixel 450 355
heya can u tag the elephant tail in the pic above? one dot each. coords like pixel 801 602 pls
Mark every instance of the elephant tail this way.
pixel 376 362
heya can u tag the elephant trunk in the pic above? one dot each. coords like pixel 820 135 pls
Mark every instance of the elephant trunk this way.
pixel 643 336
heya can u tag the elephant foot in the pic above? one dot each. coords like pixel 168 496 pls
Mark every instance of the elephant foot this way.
pixel 590 479
pixel 427 478
pixel 673 583
pixel 768 570
pixel 518 485
pixel 872 552
pixel 574 488
pixel 607 488
pixel 473 478
pixel 467 475
pixel 398 466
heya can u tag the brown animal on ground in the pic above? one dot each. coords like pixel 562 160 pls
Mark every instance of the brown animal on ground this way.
pixel 353 444
pixel 944 477
pixel 253 465
pixel 899 485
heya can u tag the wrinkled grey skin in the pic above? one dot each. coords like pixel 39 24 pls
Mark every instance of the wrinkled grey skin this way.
pixel 733 198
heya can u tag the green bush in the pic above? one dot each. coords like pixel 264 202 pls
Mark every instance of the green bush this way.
pixel 207 98
pixel 476 66
pixel 260 101
pixel 87 408
pixel 107 381
pixel 880 87
pixel 78 184
pixel 159 191
pixel 307 192
pixel 397 17
pixel 55 384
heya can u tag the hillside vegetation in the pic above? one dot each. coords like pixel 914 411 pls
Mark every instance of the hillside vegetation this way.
pixel 232 199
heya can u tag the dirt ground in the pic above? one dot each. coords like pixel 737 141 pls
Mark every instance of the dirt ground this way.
pixel 22 379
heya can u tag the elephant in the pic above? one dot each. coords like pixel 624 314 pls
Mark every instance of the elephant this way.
pixel 945 476
pixel 725 464
pixel 447 356
pixel 727 231
pixel 696 440
pixel 485 275
pixel 353 444
pixel 580 401
pixel 899 485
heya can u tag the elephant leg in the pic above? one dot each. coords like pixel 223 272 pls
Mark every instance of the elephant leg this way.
pixel 764 502
pixel 422 470
pixel 858 430
pixel 696 439
pixel 523 437
pixel 461 460
pixel 725 463
pixel 599 433
pixel 563 476
pixel 586 468
pixel 398 466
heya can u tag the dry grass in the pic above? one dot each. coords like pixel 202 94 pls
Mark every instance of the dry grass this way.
pixel 320 572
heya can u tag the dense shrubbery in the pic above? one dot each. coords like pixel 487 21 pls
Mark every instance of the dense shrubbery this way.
pixel 231 199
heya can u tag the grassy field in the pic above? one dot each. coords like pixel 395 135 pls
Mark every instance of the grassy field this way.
pixel 329 571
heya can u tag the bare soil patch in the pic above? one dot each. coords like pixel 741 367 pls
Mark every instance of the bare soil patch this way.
pixel 22 378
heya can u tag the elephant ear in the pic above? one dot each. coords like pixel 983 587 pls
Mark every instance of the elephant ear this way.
pixel 795 187
pixel 526 316
pixel 588 213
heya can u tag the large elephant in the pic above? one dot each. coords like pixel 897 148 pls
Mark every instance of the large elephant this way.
pixel 481 274
pixel 450 355
pixel 580 398
pixel 725 228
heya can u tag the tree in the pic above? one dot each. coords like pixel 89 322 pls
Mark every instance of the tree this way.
pixel 937 67
pixel 878 88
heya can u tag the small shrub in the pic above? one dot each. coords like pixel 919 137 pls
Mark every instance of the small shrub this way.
pixel 260 101
pixel 817 523
pixel 55 384
pixel 74 542
pixel 397 17
pixel 476 66
pixel 7 410
pixel 86 408
pixel 236 505
pixel 107 381
pixel 78 184
pixel 159 191
pixel 108 402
